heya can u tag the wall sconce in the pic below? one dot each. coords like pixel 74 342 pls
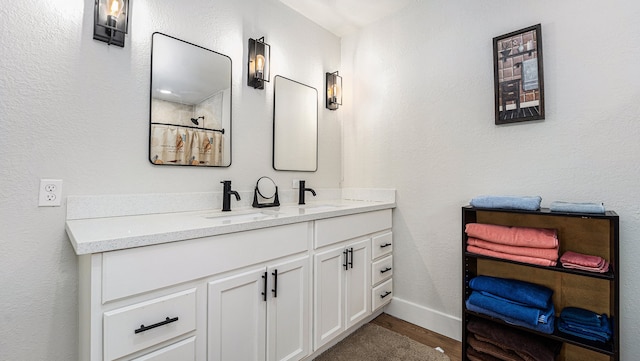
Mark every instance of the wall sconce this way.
pixel 259 63
pixel 334 91
pixel 111 21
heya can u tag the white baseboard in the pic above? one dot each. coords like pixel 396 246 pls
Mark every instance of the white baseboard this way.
pixel 424 317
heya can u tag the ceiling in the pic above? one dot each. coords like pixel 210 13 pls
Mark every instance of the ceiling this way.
pixel 188 73
pixel 342 17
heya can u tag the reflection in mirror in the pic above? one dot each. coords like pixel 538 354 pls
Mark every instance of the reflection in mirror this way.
pixel 190 112
pixel 295 126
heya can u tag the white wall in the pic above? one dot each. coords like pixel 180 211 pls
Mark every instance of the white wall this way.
pixel 77 109
pixel 419 116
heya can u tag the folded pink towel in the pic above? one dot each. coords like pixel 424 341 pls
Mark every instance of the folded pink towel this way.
pixel 514 236
pixel 511 257
pixel 603 269
pixel 545 253
pixel 584 262
pixel 581 259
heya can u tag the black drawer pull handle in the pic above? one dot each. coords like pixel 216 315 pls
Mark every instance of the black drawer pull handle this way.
pixel 385 295
pixel 264 294
pixel 275 283
pixel 146 328
pixel 346 259
pixel 385 245
pixel 385 270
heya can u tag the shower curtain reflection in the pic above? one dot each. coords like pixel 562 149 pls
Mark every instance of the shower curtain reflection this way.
pixel 172 144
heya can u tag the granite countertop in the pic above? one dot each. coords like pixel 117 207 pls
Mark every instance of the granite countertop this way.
pixel 95 235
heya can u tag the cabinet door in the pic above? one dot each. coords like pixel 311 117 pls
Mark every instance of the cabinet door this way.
pixel 237 314
pixel 288 313
pixel 358 282
pixel 328 304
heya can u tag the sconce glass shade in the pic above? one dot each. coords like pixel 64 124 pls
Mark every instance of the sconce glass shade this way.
pixel 111 21
pixel 259 63
pixel 334 91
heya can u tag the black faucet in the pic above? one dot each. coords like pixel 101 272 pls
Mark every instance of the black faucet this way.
pixel 302 191
pixel 226 196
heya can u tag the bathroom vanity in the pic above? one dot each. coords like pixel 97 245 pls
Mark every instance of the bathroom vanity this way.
pixel 278 284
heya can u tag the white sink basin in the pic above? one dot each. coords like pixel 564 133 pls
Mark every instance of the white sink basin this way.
pixel 229 218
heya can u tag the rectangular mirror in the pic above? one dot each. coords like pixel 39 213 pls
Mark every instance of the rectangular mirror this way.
pixel 295 126
pixel 190 110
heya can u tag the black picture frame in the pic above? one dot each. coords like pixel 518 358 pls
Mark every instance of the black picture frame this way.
pixel 518 76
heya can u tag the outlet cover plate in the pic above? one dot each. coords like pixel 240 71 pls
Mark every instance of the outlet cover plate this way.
pixel 50 194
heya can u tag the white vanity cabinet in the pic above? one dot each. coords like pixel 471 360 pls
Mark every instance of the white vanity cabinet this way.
pixel 168 287
pixel 342 271
pixel 173 292
pixel 261 314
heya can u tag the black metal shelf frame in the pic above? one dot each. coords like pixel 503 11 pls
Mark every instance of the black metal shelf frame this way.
pixel 610 349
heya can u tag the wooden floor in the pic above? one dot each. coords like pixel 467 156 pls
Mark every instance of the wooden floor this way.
pixel 451 347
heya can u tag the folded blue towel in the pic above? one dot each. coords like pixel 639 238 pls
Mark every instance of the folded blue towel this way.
pixel 525 293
pixel 541 327
pixel 581 335
pixel 585 324
pixel 569 207
pixel 601 335
pixel 584 332
pixel 530 315
pixel 507 202
pixel 576 315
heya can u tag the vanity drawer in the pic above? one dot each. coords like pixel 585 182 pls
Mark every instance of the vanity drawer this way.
pixel 333 230
pixel 137 270
pixel 382 245
pixel 136 327
pixel 381 295
pixel 381 270
pixel 184 351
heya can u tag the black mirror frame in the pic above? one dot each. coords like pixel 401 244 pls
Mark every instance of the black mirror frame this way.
pixel 229 130
pixel 275 139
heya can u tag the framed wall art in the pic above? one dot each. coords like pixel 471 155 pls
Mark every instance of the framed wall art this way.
pixel 518 76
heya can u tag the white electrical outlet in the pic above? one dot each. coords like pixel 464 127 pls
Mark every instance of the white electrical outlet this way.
pixel 50 193
pixel 295 183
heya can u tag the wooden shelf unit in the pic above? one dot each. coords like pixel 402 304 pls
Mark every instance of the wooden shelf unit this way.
pixel 592 234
